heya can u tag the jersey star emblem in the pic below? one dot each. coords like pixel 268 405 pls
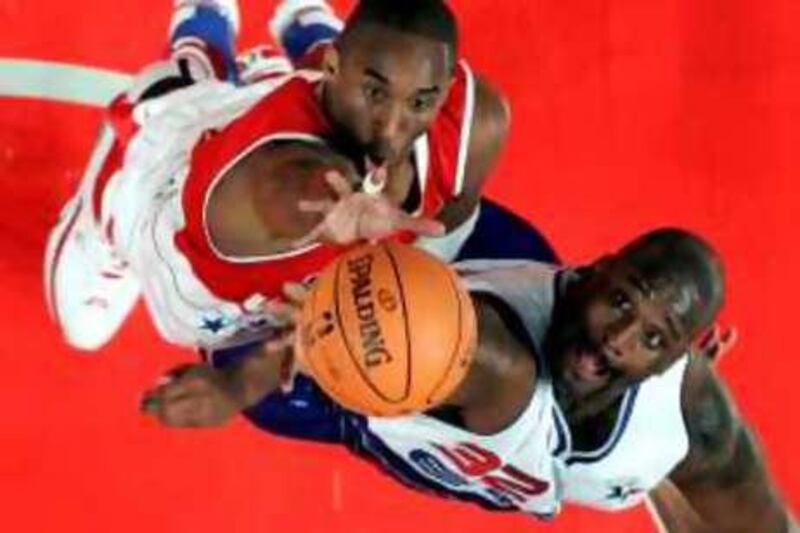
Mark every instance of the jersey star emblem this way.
pixel 622 492
pixel 214 325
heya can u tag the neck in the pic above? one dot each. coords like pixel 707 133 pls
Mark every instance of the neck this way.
pixel 578 409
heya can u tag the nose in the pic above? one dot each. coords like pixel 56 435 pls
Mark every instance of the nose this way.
pixel 621 337
pixel 389 120
pixel 389 127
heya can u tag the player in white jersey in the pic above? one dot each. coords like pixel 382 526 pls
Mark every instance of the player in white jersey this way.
pixel 572 367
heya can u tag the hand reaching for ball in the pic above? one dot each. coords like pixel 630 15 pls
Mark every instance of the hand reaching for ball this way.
pixel 356 216
pixel 200 395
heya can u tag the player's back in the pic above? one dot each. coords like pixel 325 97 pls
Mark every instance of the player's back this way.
pixel 197 293
pixel 189 143
pixel 155 178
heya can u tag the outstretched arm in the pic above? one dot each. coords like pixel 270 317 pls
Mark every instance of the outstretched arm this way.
pixel 201 395
pixel 287 196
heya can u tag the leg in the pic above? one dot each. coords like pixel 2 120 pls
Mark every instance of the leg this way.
pixel 90 289
pixel 202 38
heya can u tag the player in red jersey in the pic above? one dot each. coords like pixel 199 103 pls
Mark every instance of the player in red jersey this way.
pixel 206 194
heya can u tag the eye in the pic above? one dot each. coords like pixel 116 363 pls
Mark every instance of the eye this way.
pixel 621 302
pixel 422 104
pixel 654 340
pixel 374 94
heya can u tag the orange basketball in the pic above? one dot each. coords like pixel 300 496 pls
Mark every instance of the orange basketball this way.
pixel 387 330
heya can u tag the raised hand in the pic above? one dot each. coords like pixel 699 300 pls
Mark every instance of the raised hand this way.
pixel 356 216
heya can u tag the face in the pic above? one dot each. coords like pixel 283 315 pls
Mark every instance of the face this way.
pixel 616 327
pixel 383 88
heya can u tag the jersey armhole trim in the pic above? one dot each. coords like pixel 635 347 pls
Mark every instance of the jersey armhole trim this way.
pixel 276 137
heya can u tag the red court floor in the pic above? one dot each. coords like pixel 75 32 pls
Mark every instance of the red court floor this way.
pixel 627 115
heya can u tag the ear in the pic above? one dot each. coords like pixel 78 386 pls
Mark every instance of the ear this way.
pixel 331 62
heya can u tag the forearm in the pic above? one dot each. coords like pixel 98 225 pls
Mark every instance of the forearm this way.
pixel 256 210
pixel 671 512
pixel 739 495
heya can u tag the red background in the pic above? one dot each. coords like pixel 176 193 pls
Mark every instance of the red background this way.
pixel 627 115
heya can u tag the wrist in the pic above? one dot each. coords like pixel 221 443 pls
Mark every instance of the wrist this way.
pixel 234 387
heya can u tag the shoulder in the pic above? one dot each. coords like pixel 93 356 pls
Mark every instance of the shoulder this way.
pixel 491 121
pixel 476 109
pixel 492 110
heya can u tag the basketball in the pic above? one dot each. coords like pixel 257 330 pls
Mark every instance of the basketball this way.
pixel 387 330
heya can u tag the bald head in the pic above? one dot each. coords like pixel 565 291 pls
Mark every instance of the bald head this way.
pixel 685 264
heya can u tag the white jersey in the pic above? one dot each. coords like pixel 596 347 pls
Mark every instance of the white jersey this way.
pixel 512 469
pixel 649 439
pixel 530 466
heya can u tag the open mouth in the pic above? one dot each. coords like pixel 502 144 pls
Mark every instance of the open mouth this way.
pixel 375 179
pixel 590 364
pixel 374 163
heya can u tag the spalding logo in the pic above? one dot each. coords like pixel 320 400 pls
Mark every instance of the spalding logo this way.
pixel 362 291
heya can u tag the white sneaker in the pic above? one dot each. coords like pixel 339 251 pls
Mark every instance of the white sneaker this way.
pixel 89 289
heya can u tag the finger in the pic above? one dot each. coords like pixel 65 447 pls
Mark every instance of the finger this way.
pixel 729 337
pixel 312 237
pixel 150 403
pixel 182 412
pixel 426 227
pixel 727 340
pixel 154 401
pixel 166 379
pixel 295 293
pixel 338 183
pixel 174 389
pixel 710 338
pixel 279 345
pixel 316 206
pixel 283 313
pixel 177 382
